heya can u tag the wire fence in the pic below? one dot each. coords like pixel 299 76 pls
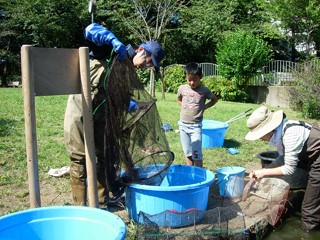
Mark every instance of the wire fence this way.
pixel 277 72
pixel 208 69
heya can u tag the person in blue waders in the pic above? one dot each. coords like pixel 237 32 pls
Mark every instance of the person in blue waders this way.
pixel 102 44
pixel 298 144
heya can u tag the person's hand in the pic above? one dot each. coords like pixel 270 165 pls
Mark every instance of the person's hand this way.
pixel 133 106
pixel 119 48
pixel 252 175
pixel 257 174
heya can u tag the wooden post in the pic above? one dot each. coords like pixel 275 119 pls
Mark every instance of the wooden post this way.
pixel 88 127
pixel 161 72
pixel 152 84
pixel 45 72
pixel 30 125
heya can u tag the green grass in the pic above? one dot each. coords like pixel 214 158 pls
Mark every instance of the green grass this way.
pixel 217 157
pixel 52 152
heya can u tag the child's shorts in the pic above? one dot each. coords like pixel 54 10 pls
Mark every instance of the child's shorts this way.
pixel 191 139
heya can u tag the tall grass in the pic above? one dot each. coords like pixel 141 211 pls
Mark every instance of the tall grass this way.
pixel 52 152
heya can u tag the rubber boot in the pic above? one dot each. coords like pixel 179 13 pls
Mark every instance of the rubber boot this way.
pixel 78 183
pixel 103 193
pixel 79 195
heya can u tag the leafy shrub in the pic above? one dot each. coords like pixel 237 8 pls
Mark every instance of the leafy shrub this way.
pixel 225 89
pixel 304 96
pixel 240 55
pixel 144 75
pixel 174 77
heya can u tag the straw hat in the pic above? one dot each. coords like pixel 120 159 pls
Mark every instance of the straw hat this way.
pixel 262 121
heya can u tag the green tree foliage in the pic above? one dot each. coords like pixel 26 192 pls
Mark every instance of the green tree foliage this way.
pixel 189 30
pixel 203 23
pixel 313 10
pixel 41 23
pixel 304 96
pixel 109 14
pixel 299 21
pixel 148 21
pixel 46 23
pixel 148 18
pixel 240 55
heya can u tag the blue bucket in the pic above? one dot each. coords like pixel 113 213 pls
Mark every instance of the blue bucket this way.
pixel 62 223
pixel 213 133
pixel 231 181
pixel 183 188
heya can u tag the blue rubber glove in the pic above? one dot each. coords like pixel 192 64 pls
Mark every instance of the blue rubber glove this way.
pixel 133 106
pixel 100 35
pixel 119 48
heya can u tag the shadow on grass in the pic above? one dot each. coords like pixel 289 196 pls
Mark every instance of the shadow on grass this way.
pixel 7 127
pixel 231 143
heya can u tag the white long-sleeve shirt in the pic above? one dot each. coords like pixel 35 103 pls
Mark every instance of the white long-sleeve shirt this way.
pixel 293 140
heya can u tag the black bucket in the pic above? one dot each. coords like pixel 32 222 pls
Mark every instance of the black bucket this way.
pixel 297 180
pixel 267 157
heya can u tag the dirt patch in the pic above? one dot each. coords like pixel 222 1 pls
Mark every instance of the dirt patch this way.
pixel 55 192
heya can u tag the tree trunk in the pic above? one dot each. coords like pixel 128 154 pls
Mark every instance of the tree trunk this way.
pixel 162 83
pixel 152 87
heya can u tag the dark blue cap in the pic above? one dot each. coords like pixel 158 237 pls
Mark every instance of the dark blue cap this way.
pixel 156 51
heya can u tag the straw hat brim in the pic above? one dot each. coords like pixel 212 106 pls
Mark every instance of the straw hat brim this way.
pixel 268 127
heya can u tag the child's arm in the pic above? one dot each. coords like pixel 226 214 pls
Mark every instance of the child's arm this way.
pixel 180 100
pixel 212 102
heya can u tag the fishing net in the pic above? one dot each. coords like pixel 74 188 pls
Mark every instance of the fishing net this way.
pixel 226 218
pixel 218 223
pixel 270 195
pixel 135 146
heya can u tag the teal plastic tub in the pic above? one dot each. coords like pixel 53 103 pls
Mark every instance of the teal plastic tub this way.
pixel 231 181
pixel 183 188
pixel 213 133
pixel 62 223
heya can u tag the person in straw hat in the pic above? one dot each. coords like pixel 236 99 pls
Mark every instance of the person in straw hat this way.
pixel 298 144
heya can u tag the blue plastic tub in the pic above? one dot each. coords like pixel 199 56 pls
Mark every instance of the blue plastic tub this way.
pixel 213 133
pixel 183 188
pixel 62 223
pixel 231 181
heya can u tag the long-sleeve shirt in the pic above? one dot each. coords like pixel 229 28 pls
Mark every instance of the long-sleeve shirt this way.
pixel 294 136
